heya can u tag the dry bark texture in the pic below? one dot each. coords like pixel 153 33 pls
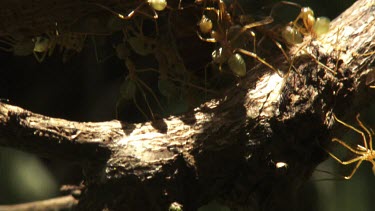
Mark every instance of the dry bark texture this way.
pixel 226 149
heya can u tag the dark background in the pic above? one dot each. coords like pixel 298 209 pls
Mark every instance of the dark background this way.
pixel 84 90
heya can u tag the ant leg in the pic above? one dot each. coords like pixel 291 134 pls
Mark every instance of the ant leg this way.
pixel 99 60
pixel 265 21
pixel 368 132
pixel 251 54
pixel 319 63
pixel 151 92
pixel 348 147
pixel 140 84
pixel 130 15
pixel 359 158
pixel 213 40
pixel 145 98
pixel 194 86
pixel 235 5
pixel 354 170
pixel 222 9
pixel 254 41
pixel 276 5
pixel 38 57
pixel 140 109
pixel 353 128
pixel 282 50
pixel 155 14
pixel 119 15
pixel 217 11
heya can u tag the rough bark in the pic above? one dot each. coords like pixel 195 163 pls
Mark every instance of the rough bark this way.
pixel 226 149
pixel 60 203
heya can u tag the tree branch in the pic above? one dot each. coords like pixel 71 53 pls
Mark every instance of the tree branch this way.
pixel 59 203
pixel 227 148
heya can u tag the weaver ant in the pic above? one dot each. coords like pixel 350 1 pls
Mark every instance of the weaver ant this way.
pixel 365 152
pixel 304 24
pixel 231 38
pixel 68 42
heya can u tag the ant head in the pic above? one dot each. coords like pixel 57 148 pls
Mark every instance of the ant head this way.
pixel 307 11
pixel 307 15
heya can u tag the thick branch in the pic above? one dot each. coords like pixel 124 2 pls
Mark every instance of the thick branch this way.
pixel 225 144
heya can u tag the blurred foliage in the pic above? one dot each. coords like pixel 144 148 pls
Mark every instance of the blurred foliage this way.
pixel 23 177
